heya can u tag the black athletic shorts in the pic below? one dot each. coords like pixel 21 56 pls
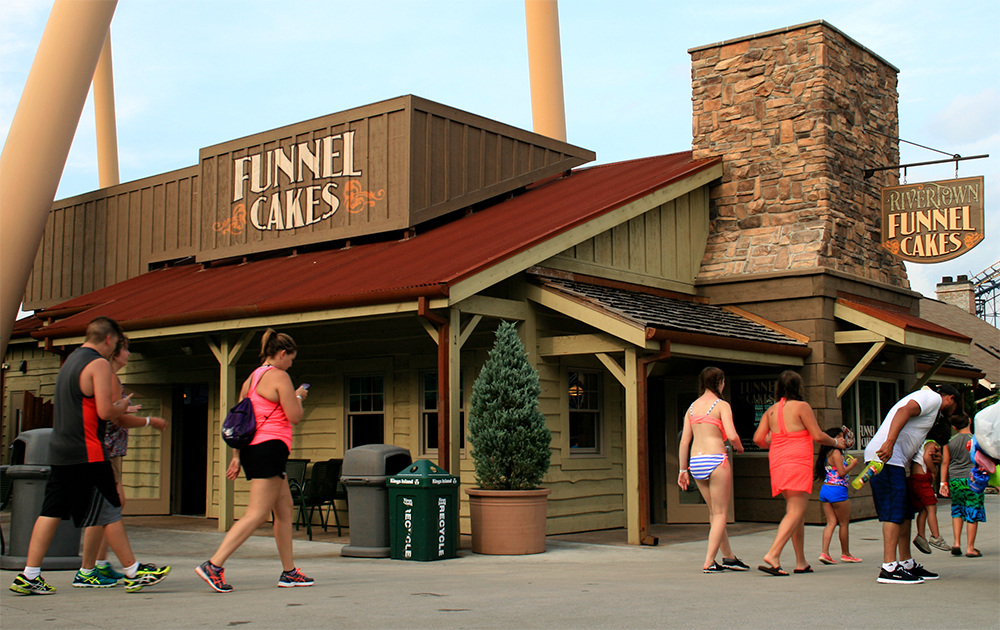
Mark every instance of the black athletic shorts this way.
pixel 264 460
pixel 79 491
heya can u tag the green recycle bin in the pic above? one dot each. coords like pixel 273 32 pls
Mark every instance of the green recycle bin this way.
pixel 423 513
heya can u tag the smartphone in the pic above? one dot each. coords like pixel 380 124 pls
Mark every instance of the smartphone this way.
pixel 305 386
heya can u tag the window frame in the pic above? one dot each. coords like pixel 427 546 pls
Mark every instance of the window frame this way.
pixel 349 415
pixel 422 412
pixel 598 411
pixel 851 400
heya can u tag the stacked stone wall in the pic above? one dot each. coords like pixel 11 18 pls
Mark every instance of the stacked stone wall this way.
pixel 797 116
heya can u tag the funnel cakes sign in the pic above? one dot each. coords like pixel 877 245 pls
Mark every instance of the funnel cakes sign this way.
pixel 933 222
pixel 269 193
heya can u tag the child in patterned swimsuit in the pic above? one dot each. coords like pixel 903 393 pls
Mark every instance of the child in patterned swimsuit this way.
pixel 834 470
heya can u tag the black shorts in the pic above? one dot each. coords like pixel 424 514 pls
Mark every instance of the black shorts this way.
pixel 79 491
pixel 264 460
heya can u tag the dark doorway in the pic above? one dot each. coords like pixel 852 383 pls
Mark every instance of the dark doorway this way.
pixel 190 449
pixel 656 448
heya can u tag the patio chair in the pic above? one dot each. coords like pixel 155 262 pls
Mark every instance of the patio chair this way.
pixel 323 490
pixel 295 472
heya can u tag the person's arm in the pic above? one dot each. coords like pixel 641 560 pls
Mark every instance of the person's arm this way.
pixel 854 462
pixel 109 403
pixel 929 457
pixel 903 415
pixel 233 470
pixel 945 460
pixel 683 478
pixel 760 435
pixel 128 421
pixel 289 398
pixel 837 460
pixel 727 422
pixel 808 419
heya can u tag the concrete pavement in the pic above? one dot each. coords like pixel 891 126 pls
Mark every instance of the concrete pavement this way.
pixel 572 585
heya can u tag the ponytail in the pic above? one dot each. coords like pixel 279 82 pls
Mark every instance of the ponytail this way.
pixel 274 342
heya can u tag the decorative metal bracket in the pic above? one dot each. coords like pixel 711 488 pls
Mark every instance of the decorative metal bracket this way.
pixel 956 158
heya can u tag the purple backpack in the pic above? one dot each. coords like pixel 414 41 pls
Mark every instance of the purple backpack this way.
pixel 240 425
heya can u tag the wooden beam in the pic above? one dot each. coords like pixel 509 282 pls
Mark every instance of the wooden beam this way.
pixel 930 343
pixel 634 334
pixel 616 370
pixel 733 356
pixel 856 336
pixel 431 330
pixel 569 345
pixel 454 354
pixel 930 373
pixel 633 496
pixel 494 307
pixel 860 367
pixel 469 328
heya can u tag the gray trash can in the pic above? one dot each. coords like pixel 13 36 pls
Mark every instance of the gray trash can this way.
pixel 29 472
pixel 364 473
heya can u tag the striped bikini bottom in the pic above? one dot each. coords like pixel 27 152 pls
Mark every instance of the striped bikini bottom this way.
pixel 702 466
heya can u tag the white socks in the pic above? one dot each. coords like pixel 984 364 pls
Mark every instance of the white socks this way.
pixel 32 572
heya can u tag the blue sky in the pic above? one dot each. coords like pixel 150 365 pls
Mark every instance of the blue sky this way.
pixel 192 73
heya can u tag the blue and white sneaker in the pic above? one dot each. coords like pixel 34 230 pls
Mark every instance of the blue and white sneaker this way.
pixel 108 572
pixel 94 579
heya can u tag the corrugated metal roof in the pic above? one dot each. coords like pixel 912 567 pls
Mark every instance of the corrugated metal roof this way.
pixel 665 313
pixel 426 264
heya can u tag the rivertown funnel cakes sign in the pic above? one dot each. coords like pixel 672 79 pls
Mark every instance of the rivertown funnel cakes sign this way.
pixel 932 222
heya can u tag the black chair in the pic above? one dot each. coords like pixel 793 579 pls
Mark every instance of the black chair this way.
pixel 295 473
pixel 324 489
pixel 6 486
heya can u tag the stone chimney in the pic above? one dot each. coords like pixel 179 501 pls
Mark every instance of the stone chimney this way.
pixel 793 114
pixel 958 292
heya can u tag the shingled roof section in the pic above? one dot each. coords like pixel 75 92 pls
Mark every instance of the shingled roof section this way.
pixel 665 313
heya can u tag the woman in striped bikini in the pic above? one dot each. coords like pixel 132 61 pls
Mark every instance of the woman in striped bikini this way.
pixel 708 423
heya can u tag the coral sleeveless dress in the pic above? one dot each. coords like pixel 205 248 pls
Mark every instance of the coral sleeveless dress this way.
pixel 790 457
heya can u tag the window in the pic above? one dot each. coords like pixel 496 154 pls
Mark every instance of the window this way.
pixel 584 412
pixel 864 406
pixel 365 410
pixel 429 411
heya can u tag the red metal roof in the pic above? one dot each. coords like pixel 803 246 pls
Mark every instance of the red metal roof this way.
pixel 424 265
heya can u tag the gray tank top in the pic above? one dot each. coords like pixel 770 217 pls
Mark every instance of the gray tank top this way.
pixel 77 430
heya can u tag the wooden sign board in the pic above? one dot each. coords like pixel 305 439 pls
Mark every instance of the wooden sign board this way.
pixel 932 222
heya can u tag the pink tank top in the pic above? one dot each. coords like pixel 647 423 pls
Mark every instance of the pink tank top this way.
pixel 272 423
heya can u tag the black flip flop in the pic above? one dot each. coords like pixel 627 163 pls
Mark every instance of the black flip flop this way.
pixel 808 569
pixel 977 554
pixel 955 551
pixel 775 571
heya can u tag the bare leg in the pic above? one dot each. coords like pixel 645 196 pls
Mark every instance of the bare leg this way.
pixel 904 541
pixel 921 520
pixel 932 521
pixel 956 528
pixel 263 495
pixel 971 530
pixel 93 540
pixel 716 491
pixel 890 541
pixel 282 528
pixel 799 537
pixel 102 549
pixel 831 524
pixel 843 511
pixel 41 537
pixel 116 537
pixel 795 508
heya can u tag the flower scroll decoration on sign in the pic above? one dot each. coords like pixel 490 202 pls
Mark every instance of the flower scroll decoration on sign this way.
pixel 358 200
pixel 235 223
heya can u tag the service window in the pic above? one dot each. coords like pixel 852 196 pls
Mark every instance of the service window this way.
pixel 365 410
pixel 429 411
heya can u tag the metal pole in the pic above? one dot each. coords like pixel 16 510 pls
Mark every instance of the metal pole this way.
pixel 545 67
pixel 40 137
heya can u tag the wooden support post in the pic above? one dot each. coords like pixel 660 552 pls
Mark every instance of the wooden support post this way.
pixel 443 401
pixel 643 366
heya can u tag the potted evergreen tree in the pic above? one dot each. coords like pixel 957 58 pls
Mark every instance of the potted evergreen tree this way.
pixel 510 449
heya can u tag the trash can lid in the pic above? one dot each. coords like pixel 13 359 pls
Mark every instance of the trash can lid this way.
pixel 423 473
pixel 374 459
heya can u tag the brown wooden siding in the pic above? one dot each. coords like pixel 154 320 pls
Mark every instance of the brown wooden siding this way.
pixel 94 240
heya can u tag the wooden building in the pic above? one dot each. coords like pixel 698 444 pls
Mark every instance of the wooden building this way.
pixel 391 239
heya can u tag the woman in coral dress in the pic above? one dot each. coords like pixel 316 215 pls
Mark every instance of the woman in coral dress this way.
pixel 788 429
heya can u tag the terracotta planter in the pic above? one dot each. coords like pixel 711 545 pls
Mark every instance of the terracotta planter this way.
pixel 508 522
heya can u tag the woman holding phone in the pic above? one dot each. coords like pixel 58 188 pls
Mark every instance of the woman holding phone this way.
pixel 277 408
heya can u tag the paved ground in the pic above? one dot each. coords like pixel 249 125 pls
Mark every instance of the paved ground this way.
pixel 572 585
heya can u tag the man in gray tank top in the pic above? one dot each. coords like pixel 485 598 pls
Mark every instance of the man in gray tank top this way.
pixel 81 485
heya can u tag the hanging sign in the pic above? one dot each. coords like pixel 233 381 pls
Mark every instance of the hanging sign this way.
pixel 932 222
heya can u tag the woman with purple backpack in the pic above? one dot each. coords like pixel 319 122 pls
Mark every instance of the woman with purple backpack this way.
pixel 277 408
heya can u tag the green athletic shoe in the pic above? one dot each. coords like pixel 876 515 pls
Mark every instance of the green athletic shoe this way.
pixel 37 586
pixel 108 572
pixel 147 575
pixel 94 579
